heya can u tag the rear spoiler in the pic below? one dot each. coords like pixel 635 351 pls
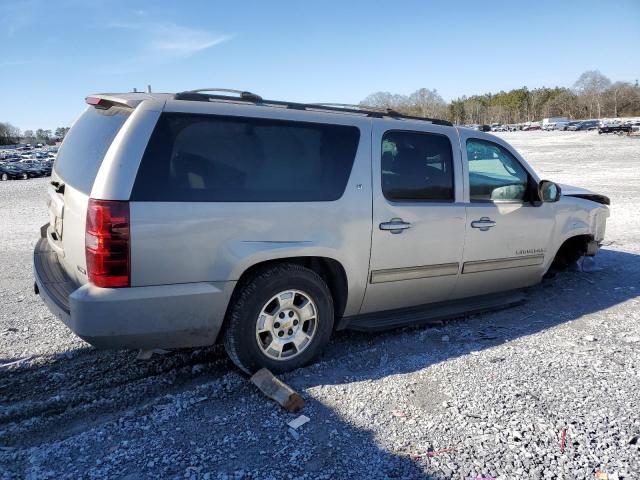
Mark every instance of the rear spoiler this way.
pixel 106 101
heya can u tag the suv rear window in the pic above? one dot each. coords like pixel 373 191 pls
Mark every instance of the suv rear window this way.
pixel 84 147
pixel 210 158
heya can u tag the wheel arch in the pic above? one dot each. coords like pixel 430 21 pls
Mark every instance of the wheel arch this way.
pixel 329 269
pixel 571 249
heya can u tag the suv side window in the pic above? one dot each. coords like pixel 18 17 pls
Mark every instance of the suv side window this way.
pixel 417 166
pixel 211 158
pixel 494 173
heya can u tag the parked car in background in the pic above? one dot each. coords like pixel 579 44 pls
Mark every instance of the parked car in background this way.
pixel 588 125
pixel 553 121
pixel 532 126
pixel 179 220
pixel 30 163
pixel 570 125
pixel 32 169
pixel 9 171
pixel 614 128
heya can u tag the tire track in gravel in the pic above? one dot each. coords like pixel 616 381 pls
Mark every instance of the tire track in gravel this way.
pixel 40 398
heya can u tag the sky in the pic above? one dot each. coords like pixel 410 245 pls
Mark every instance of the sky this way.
pixel 56 52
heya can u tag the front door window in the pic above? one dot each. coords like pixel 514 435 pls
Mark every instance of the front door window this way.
pixel 495 175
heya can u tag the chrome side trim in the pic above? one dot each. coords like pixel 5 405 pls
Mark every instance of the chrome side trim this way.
pixel 502 263
pixel 413 273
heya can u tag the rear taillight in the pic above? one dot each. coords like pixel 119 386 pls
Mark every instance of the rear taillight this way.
pixel 107 243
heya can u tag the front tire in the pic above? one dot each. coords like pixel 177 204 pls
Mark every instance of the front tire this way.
pixel 5 177
pixel 281 318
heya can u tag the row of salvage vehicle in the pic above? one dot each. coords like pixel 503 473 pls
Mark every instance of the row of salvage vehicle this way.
pixel 16 166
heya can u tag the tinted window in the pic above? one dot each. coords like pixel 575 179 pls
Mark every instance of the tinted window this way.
pixel 84 147
pixel 417 166
pixel 494 174
pixel 232 159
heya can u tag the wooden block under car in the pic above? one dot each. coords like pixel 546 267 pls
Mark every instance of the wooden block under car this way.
pixel 277 390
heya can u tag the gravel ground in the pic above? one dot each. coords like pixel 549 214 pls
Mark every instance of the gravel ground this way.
pixel 489 396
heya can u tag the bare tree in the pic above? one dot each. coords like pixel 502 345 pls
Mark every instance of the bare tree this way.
pixel 591 85
pixel 428 103
pixel 61 132
pixel 386 100
pixel 28 136
pixel 8 134
pixel 43 135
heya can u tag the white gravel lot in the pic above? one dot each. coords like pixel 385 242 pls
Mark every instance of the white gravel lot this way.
pixel 489 396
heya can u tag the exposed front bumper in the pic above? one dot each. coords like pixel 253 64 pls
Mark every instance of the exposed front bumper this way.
pixel 163 316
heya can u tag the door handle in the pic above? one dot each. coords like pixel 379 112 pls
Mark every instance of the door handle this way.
pixel 484 224
pixel 395 225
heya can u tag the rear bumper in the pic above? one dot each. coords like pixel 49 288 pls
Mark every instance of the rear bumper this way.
pixel 163 316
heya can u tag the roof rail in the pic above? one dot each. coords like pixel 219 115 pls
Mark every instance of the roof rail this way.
pixel 201 95
pixel 244 95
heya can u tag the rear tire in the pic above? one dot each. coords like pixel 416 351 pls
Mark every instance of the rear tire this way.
pixel 306 314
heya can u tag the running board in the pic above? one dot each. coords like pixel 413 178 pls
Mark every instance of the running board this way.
pixel 378 321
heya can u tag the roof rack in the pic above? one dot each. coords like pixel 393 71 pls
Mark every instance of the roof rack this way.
pixel 244 95
pixel 201 95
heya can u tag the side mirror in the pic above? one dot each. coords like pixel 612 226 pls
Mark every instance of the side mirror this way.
pixel 549 191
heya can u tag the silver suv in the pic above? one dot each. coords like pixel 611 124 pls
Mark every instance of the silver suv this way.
pixel 182 220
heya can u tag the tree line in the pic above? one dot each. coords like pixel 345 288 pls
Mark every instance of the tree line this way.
pixel 593 95
pixel 10 135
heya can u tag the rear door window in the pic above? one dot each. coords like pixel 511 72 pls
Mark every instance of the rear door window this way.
pixel 417 166
pixel 210 158
pixel 84 147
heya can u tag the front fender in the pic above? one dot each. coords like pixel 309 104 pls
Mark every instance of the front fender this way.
pixel 578 216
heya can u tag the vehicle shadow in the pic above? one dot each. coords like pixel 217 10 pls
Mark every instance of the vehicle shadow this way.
pixel 612 279
pixel 51 400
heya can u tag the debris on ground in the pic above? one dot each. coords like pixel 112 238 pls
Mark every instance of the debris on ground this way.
pixel 16 362
pixel 277 390
pixel 146 354
pixel 600 475
pixel 298 422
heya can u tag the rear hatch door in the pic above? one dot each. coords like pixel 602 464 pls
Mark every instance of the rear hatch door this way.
pixel 74 172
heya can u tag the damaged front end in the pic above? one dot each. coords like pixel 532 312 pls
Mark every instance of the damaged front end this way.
pixel 577 192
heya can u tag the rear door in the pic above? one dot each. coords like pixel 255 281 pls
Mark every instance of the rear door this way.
pixel 223 187
pixel 507 236
pixel 418 215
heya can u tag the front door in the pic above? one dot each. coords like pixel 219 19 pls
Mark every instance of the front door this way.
pixel 418 216
pixel 507 235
